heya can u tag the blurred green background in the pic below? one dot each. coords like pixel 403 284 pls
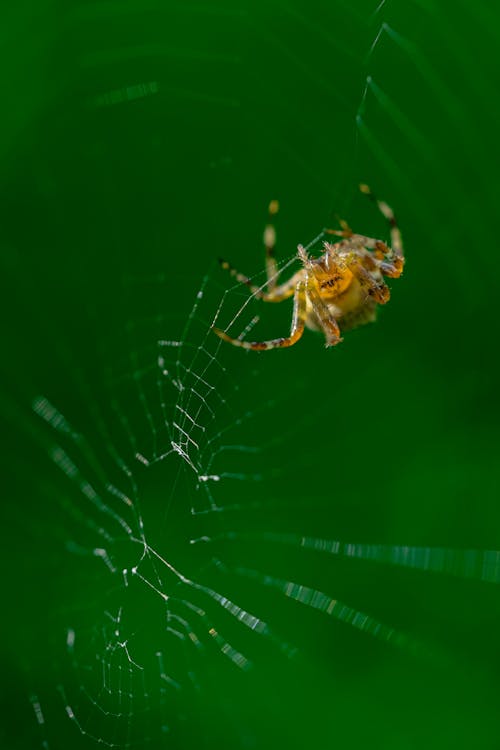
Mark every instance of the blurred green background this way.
pixel 140 141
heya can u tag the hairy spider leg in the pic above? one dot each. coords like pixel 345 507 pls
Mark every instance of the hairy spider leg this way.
pixel 278 294
pixel 346 230
pixel 327 321
pixel 272 271
pixel 376 289
pixel 381 257
pixel 392 259
pixel 269 244
pixel 296 330
pixel 381 250
pixel 393 265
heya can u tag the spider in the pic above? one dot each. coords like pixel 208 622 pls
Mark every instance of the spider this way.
pixel 337 291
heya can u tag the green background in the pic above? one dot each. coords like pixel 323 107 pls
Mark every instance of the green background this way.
pixel 140 141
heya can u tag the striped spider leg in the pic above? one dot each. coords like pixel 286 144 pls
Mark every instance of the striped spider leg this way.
pixel 391 259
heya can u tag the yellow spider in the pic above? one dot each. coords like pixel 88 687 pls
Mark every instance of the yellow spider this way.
pixel 338 291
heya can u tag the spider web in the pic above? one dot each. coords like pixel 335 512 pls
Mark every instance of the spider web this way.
pixel 177 604
pixel 199 566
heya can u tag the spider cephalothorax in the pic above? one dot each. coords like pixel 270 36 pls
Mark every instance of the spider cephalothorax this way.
pixel 335 292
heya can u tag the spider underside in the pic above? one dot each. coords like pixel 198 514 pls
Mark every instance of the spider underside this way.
pixel 338 291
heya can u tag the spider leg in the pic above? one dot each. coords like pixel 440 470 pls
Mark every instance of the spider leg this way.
pixel 392 269
pixel 393 265
pixel 382 256
pixel 278 294
pixel 360 241
pixel 327 321
pixel 346 230
pixel 296 331
pixel 272 270
pixel 269 244
pixel 376 289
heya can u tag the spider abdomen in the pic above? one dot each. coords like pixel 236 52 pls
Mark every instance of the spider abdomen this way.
pixel 365 313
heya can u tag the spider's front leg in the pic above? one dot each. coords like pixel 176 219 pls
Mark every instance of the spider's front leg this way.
pixel 296 330
pixel 376 288
pixel 326 320
pixel 393 263
pixel 390 260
